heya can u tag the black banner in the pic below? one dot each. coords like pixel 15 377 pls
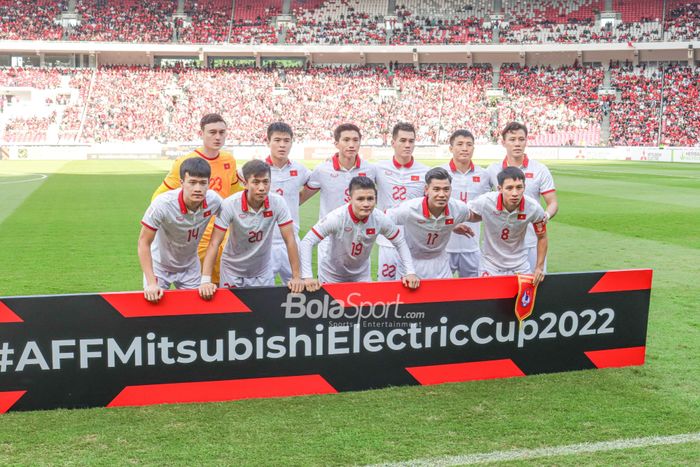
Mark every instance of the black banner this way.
pixel 116 349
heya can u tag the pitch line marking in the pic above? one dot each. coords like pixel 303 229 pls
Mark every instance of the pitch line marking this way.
pixel 565 450
pixel 37 178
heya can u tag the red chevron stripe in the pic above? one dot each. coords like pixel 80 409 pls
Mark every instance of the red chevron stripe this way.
pixel 218 391
pixel 175 303
pixel 622 281
pixel 468 371
pixel 8 399
pixel 615 358
pixel 7 315
pixel 430 291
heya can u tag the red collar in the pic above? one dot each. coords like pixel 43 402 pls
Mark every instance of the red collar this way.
pixel 453 166
pixel 183 206
pixel 526 162
pixel 499 203
pixel 244 201
pixel 201 154
pixel 398 166
pixel 426 210
pixel 271 164
pixel 354 218
pixel 336 162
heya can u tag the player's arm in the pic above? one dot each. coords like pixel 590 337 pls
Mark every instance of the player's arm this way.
pixel 312 238
pixel 410 280
pixel 151 291
pixel 207 287
pixel 552 205
pixel 463 215
pixel 306 193
pixel 542 245
pixel 171 181
pixel 296 284
pixel 236 184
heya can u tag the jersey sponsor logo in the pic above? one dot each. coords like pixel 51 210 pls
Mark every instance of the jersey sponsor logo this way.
pixel 529 175
pixel 243 215
pixel 449 221
pixel 348 229
pixel 180 218
pixel 415 178
pixel 371 231
pixel 333 174
pixel 387 172
pixel 207 213
pixel 267 213
pixel 227 166
pixel 362 174
pixel 476 179
pixel 522 217
pixel 421 221
pixel 293 173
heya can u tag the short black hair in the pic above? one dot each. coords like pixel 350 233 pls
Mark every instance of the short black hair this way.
pixel 345 127
pixel 513 173
pixel 361 183
pixel 279 127
pixel 437 173
pixel 210 118
pixel 512 127
pixel 402 126
pixel 458 133
pixel 196 167
pixel 254 167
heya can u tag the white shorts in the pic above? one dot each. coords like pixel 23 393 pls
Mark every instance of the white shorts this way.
pixel 434 268
pixel 390 267
pixel 365 277
pixel 230 281
pixel 280 262
pixel 532 258
pixel 487 269
pixel 465 264
pixel 189 278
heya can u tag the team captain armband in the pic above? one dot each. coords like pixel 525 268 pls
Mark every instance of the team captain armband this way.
pixel 540 227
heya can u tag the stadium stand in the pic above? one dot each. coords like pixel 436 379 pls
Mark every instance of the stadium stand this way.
pixel 338 22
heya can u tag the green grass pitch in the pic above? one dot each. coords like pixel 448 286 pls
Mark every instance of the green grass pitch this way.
pixel 76 231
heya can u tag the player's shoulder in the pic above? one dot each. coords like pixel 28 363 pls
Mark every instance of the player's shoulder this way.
pixel 226 156
pixel 276 200
pixel 536 166
pixel 233 199
pixel 214 197
pixel 479 170
pixel 170 196
pixel 298 166
pixel 419 166
pixel 531 203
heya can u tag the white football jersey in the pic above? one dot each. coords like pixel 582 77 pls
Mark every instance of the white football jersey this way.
pixel 538 181
pixel 504 232
pixel 465 187
pixel 333 181
pixel 351 241
pixel 178 230
pixel 248 250
pixel 287 182
pixel 427 236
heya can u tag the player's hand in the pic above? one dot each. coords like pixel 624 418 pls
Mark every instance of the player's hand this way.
pixel 153 293
pixel 411 281
pixel 296 285
pixel 206 290
pixel 546 217
pixel 538 276
pixel 463 229
pixel 312 285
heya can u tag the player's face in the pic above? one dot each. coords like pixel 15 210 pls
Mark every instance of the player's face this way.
pixel 515 143
pixel 214 135
pixel 462 149
pixel 363 201
pixel 512 191
pixel 348 145
pixel 258 187
pixel 438 193
pixel 404 144
pixel 194 189
pixel 280 144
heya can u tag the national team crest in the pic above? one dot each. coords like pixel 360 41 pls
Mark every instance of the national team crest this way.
pixel 476 179
pixel 449 221
pixel 227 166
pixel 522 217
pixel 207 214
pixel 371 231
pixel 525 301
pixel 529 175
pixel 362 174
pixel 267 213
pixel 415 178
pixel 293 173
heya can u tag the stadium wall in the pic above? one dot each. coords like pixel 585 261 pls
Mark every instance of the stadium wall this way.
pixel 155 151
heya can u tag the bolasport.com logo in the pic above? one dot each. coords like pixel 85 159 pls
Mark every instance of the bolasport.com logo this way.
pixel 350 312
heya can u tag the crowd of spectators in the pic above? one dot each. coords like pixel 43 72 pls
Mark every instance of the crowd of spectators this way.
pixel 23 20
pixel 28 129
pixel 561 106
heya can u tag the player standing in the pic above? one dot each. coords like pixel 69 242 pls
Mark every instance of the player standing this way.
pixel 398 180
pixel 171 229
pixel 428 223
pixel 468 182
pixel 287 179
pixel 352 230
pixel 539 179
pixel 333 176
pixel 506 216
pixel 224 178
pixel 250 217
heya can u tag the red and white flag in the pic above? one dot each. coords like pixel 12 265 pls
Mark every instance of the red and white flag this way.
pixel 525 301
